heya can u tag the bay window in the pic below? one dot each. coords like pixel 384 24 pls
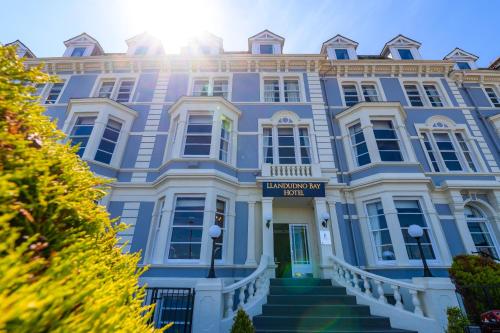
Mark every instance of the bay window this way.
pixel 286 145
pixel 409 212
pixel 387 140
pixel 187 228
pixel 198 135
pixel 81 132
pixel 108 142
pixel 359 146
pixel 380 232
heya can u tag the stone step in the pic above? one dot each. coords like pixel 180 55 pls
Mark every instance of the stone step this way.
pixel 311 299
pixel 300 282
pixel 316 310
pixel 317 323
pixel 307 290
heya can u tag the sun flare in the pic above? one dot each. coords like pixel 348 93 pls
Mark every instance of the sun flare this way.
pixel 173 22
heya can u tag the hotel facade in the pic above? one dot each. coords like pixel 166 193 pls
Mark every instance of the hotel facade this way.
pixel 313 165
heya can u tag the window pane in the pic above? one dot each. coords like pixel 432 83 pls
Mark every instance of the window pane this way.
pixel 224 140
pixel 78 52
pixel 125 91
pixel 359 146
pixel 54 93
pixel 447 151
pixel 433 95
pixel 370 93
pixel 220 220
pixel 409 212
pixel 266 49
pixel 305 146
pixel 380 232
pixel 387 140
pixel 413 95
pixel 350 94
pixel 267 145
pixel 220 88
pixel 106 89
pixel 341 54
pixel 198 135
pixel 271 91
pixel 80 133
pixel 286 145
pixel 492 95
pixel 187 228
pixel 463 65
pixel 405 54
pixel 108 142
pixel 292 93
pixel 479 230
pixel 200 88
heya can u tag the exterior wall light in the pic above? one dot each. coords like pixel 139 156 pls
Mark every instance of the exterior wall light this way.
pixel 325 216
pixel 268 217
pixel 417 232
pixel 214 232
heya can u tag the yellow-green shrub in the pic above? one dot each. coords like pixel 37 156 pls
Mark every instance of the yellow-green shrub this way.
pixel 60 269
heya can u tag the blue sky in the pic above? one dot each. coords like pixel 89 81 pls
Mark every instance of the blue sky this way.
pixel 439 25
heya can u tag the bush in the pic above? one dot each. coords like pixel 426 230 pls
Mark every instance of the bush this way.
pixel 457 321
pixel 477 279
pixel 242 323
pixel 60 268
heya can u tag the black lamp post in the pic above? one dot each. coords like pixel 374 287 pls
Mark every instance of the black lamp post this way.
pixel 417 232
pixel 214 233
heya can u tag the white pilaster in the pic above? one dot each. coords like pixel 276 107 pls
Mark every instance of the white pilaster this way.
pixel 267 233
pixel 334 222
pixel 325 250
pixel 251 234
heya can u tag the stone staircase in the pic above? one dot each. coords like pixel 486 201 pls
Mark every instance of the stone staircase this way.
pixel 314 305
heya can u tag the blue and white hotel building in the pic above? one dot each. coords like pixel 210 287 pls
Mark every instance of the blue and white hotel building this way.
pixel 314 165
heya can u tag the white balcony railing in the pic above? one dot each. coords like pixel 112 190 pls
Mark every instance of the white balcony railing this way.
pixel 291 170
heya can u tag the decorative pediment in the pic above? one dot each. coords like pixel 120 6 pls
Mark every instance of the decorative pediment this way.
pixel 265 36
pixel 22 50
pixel 440 122
pixel 459 54
pixel 400 41
pixel 338 41
pixel 285 118
pixel 84 39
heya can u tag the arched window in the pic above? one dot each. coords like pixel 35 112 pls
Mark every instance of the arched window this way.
pixel 480 231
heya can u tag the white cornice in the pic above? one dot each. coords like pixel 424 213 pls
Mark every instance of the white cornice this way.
pixel 89 101
pixel 371 106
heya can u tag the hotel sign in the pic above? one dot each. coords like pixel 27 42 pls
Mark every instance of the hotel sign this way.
pixel 293 189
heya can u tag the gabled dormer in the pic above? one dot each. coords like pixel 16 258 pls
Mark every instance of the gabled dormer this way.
pixel 22 50
pixel 82 45
pixel 340 48
pixel 266 42
pixel 144 45
pixel 401 48
pixel 204 44
pixel 463 59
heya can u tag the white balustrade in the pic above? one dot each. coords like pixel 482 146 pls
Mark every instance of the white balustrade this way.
pixel 291 170
pixel 248 291
pixel 349 277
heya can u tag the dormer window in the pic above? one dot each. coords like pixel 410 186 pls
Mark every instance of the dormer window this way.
pixel 463 65
pixel 341 54
pixel 78 52
pixel 266 49
pixel 405 54
pixel 141 50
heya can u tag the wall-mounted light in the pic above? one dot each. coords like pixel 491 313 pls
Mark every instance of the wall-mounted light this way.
pixel 268 217
pixel 325 216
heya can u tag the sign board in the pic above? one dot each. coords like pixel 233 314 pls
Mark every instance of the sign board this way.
pixel 293 189
pixel 325 237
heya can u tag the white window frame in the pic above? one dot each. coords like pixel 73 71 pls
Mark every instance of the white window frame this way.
pixel 444 124
pixel 167 258
pixel 211 78
pixel 281 77
pixel 293 121
pixel 370 231
pixel 212 135
pixel 429 227
pixel 117 78
pixel 104 111
pixel 358 83
pixel 487 219
pixel 226 225
pixel 496 90
pixel 194 105
pixel 397 48
pixel 48 87
pixel 420 82
pixel 398 138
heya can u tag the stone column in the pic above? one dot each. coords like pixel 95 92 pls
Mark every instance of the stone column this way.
pixel 251 234
pixel 334 222
pixel 267 233
pixel 457 207
pixel 325 250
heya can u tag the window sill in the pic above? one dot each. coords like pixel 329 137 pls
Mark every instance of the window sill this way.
pixel 375 164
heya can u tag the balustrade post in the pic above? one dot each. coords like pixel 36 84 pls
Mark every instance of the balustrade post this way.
pixel 241 297
pixel 367 286
pixel 229 304
pixel 397 296
pixel 355 280
pixel 380 291
pixel 416 302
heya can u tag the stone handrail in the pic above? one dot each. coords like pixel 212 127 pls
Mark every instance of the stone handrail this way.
pixel 249 290
pixel 360 282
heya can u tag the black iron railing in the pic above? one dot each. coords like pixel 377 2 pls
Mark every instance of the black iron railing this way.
pixel 173 305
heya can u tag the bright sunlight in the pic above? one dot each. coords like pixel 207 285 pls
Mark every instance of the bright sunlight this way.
pixel 173 22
